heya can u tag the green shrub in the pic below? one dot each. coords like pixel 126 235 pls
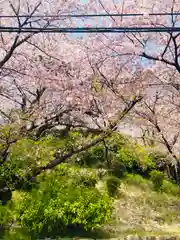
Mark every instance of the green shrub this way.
pixel 157 178
pixel 87 181
pixel 26 155
pixel 16 234
pixel 118 169
pixel 59 203
pixel 93 157
pixel 113 184
pixel 137 180
pixel 116 142
pixel 77 175
pixel 158 158
pixel 127 157
pixel 6 216
pixel 135 159
pixel 145 161
pixel 96 156
pixel 123 156
pixel 170 188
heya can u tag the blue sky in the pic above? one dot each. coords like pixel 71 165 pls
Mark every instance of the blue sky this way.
pixel 83 1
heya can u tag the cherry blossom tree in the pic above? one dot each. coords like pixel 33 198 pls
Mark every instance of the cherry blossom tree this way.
pixel 55 80
pixel 153 59
pixel 66 80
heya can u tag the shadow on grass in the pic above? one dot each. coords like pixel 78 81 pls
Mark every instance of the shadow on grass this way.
pixel 74 231
pixel 81 233
pixel 70 233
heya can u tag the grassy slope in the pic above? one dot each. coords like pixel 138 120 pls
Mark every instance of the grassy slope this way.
pixel 142 211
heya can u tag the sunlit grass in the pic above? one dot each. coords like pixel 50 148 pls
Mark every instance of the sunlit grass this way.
pixel 144 212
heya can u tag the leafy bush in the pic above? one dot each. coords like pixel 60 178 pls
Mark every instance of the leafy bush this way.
pixel 4 214
pixel 113 184
pixel 24 156
pixel 157 178
pixel 158 158
pixel 135 159
pixel 137 180
pixel 6 217
pixel 170 188
pixel 93 157
pixel 88 181
pixel 116 142
pixel 59 203
pixel 145 161
pixel 128 158
pixel 118 169
pixel 16 234
pixel 96 156
pixel 78 176
pixel 123 156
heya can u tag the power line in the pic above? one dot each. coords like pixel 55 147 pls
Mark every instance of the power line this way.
pixel 92 15
pixel 91 30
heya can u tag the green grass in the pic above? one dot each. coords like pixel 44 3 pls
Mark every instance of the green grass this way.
pixel 142 211
pixel 137 180
pixel 170 188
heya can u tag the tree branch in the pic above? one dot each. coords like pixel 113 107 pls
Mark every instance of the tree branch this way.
pixel 107 132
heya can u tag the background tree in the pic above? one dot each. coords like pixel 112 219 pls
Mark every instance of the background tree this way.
pixel 51 88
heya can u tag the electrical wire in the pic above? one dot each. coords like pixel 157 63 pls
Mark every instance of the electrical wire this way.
pixel 92 15
pixel 91 30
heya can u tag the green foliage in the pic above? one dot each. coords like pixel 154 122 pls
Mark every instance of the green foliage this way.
pixel 88 181
pixel 16 234
pixel 11 132
pixel 137 180
pixel 96 156
pixel 6 217
pixel 170 188
pixel 158 158
pixel 135 159
pixel 113 184
pixel 60 202
pixel 68 195
pixel 123 156
pixel 72 141
pixel 128 157
pixel 157 178
pixel 145 161
pixel 92 157
pixel 117 141
pixel 118 169
pixel 75 174
pixel 26 155
pixel 5 214
pixel 156 155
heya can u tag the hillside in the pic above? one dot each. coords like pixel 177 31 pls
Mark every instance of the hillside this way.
pixel 141 211
pixel 120 195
